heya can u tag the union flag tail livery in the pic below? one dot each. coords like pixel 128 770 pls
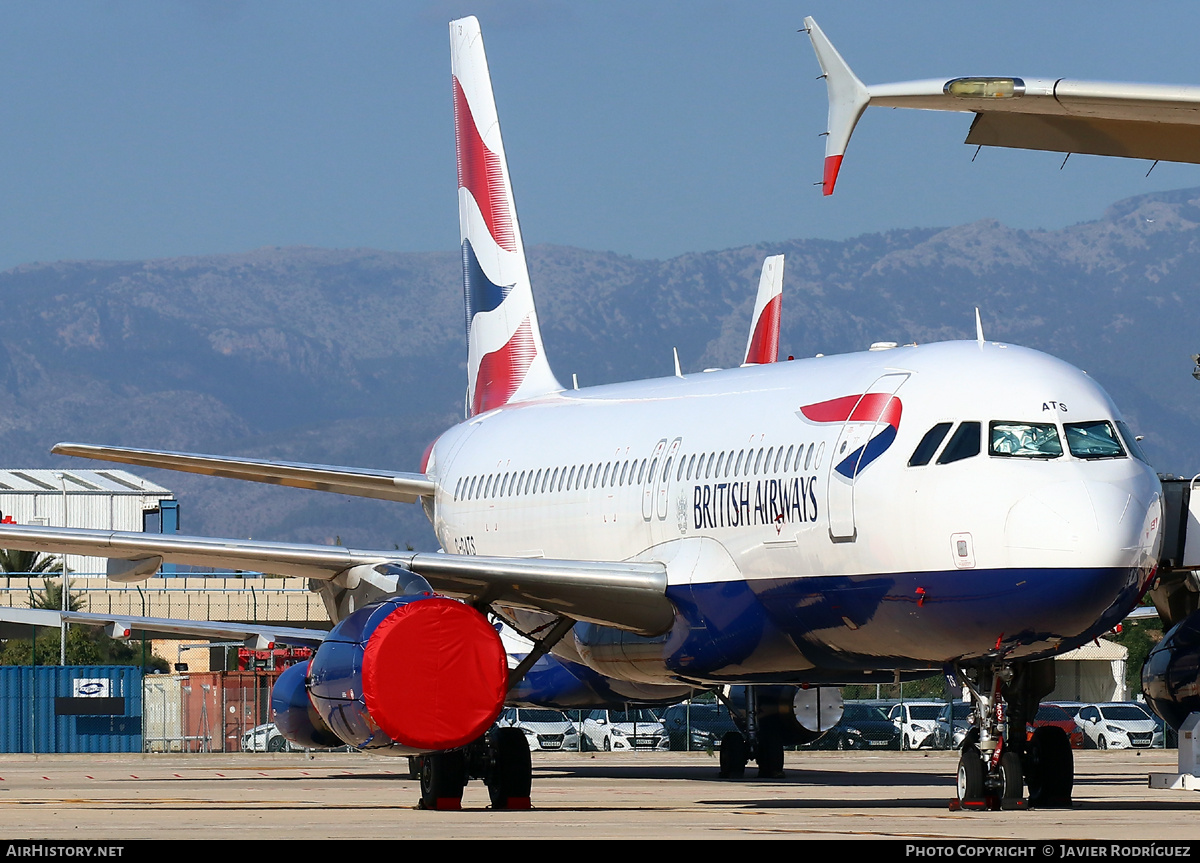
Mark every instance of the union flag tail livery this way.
pixel 505 358
pixel 763 344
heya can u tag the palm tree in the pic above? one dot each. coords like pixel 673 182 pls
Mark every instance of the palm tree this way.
pixel 15 562
pixel 51 597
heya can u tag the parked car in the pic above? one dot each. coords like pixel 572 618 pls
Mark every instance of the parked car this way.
pixel 1054 714
pixel 697 726
pixel 1118 725
pixel 862 726
pixel 917 723
pixel 625 730
pixel 545 730
pixel 953 723
pixel 266 738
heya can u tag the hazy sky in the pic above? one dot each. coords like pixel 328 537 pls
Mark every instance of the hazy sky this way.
pixel 147 129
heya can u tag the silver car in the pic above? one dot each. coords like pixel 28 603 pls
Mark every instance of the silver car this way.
pixel 545 730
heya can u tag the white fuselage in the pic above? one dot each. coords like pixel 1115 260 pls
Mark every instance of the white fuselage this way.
pixel 569 476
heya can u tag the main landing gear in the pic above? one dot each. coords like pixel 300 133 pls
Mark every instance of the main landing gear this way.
pixel 763 741
pixel 500 758
pixel 997 762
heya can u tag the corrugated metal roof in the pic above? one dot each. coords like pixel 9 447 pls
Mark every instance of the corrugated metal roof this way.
pixel 108 481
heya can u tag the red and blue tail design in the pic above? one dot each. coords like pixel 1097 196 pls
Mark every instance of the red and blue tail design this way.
pixel 505 358
pixel 873 408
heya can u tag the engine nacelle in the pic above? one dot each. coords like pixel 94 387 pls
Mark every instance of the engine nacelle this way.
pixel 1171 673
pixel 409 674
pixel 295 716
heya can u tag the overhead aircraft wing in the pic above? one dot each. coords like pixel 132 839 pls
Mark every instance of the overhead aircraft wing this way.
pixel 1138 121
pixel 16 621
pixel 385 485
pixel 623 594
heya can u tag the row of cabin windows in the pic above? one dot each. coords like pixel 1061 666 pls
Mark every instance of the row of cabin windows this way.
pixel 639 471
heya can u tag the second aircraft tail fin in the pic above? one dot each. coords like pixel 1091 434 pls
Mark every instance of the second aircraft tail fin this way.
pixel 763 344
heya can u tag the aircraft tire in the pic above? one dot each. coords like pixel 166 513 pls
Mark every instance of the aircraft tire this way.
pixel 511 777
pixel 770 754
pixel 1049 768
pixel 733 755
pixel 970 774
pixel 1012 779
pixel 443 775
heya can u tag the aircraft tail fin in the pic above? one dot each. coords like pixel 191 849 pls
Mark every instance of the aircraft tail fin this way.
pixel 848 98
pixel 763 344
pixel 505 358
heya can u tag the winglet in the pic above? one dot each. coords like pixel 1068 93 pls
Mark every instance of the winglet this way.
pixel 763 344
pixel 848 98
pixel 978 327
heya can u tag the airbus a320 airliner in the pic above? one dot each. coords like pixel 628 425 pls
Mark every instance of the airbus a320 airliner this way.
pixel 971 508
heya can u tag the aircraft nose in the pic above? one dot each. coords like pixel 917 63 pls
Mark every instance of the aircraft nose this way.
pixel 1103 523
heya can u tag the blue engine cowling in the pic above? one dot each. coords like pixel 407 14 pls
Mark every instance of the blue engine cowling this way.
pixel 1171 673
pixel 409 674
pixel 295 716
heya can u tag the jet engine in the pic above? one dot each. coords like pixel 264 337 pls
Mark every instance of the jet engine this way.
pixel 295 716
pixel 1171 673
pixel 409 674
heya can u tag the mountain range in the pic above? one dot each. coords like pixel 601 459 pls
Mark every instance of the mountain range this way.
pixel 357 356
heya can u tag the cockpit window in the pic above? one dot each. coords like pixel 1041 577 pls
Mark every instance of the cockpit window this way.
pixel 1024 440
pixel 928 445
pixel 1097 439
pixel 964 443
pixel 1131 442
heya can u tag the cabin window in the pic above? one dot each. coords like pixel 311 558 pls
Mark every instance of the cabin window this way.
pixel 737 467
pixel 691 464
pixel 1011 439
pixel 1131 442
pixel 587 481
pixel 933 438
pixel 1096 439
pixel 820 453
pixel 571 479
pixel 720 462
pixel 682 465
pixel 729 463
pixel 666 470
pixel 808 458
pixel 964 443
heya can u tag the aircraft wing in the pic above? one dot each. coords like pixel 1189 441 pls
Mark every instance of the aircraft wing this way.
pixel 17 621
pixel 1138 121
pixel 385 485
pixel 623 594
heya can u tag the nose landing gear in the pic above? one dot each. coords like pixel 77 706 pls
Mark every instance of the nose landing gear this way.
pixel 997 762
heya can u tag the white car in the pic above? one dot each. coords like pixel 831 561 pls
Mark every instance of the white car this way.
pixel 1118 725
pixel 266 738
pixel 545 730
pixel 625 730
pixel 917 723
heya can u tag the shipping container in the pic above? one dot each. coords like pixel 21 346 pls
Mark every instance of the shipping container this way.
pixel 45 709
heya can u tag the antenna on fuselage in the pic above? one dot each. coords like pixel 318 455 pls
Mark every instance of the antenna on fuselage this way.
pixel 678 372
pixel 978 327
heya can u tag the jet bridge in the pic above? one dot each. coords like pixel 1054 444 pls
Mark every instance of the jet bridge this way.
pixel 1176 589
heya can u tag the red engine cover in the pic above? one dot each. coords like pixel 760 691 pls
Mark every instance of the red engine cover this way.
pixel 434 674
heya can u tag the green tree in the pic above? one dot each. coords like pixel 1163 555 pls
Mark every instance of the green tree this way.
pixel 51 597
pixel 14 561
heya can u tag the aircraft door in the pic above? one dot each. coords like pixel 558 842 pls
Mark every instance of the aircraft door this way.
pixel 664 478
pixel 648 484
pixel 864 435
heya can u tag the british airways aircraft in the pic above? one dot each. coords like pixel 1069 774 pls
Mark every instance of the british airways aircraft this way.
pixel 969 508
